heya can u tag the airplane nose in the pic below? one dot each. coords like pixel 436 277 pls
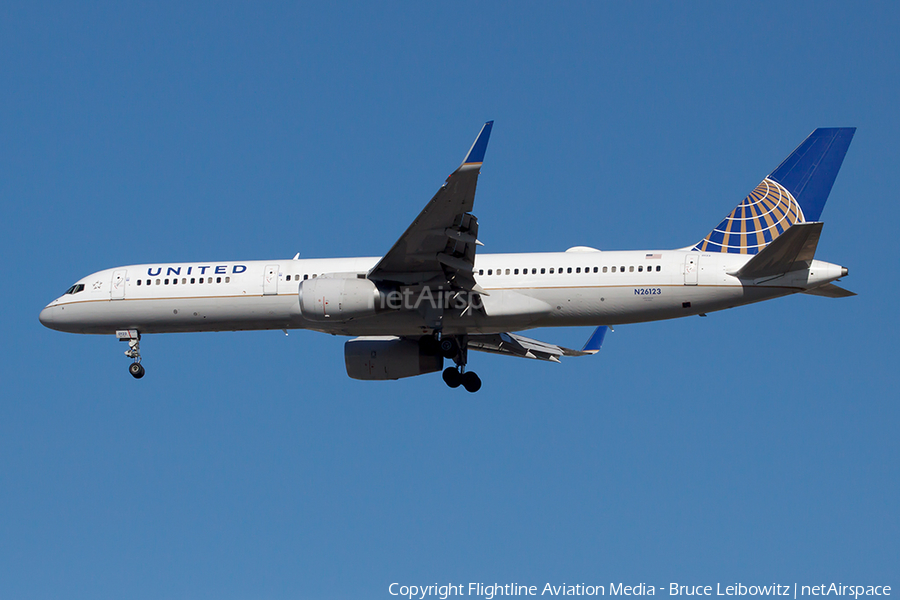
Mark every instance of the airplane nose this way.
pixel 47 316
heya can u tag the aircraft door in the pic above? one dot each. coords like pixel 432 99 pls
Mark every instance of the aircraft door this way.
pixel 117 288
pixel 270 281
pixel 691 268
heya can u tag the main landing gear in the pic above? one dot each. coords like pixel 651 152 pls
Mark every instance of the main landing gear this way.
pixel 453 347
pixel 134 351
pixel 455 376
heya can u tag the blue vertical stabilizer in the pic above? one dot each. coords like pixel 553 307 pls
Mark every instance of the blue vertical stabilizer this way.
pixel 795 192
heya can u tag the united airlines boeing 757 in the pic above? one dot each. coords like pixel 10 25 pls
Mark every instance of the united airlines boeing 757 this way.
pixel 431 298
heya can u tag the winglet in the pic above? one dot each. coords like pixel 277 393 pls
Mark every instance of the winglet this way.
pixel 476 152
pixel 596 340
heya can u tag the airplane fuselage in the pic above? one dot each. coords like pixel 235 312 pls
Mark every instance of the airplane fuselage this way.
pixel 523 291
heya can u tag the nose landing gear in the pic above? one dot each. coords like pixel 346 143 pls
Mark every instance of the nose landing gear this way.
pixel 136 370
pixel 133 337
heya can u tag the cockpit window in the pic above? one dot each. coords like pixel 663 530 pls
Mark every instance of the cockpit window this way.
pixel 78 287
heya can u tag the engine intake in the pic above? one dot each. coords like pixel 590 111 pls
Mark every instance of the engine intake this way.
pixel 380 358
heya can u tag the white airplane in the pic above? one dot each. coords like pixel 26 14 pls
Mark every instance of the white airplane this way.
pixel 431 298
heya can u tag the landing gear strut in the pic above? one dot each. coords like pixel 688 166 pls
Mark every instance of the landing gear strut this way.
pixel 454 347
pixel 134 351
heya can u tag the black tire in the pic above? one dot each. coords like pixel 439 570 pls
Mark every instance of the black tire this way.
pixel 136 370
pixel 449 347
pixel 471 381
pixel 452 377
pixel 429 346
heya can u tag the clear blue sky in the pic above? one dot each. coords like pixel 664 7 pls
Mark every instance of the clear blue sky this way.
pixel 756 445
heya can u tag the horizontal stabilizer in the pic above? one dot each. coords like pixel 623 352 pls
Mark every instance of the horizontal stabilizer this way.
pixel 829 290
pixel 793 250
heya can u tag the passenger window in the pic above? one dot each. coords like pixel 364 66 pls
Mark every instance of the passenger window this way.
pixel 139 282
pixel 515 272
pixel 604 269
pixel 305 276
pixel 534 271
pixel 631 269
pixel 490 271
pixel 193 280
pixel 621 269
pixel 481 271
pixel 658 267
pixel 640 268
pixel 578 270
pixel 551 270
pixel 175 281
pixel 569 270
pixel 543 270
pixel 507 271
pixel 228 279
pixel 167 281
pixel 218 280
pixel 613 269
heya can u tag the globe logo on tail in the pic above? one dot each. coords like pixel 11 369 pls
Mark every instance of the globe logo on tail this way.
pixel 763 215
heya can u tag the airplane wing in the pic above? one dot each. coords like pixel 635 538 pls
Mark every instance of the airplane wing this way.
pixel 439 247
pixel 511 344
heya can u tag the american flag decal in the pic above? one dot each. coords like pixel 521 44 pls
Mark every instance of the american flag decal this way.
pixel 653 256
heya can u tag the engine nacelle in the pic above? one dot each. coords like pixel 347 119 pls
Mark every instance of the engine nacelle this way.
pixel 380 358
pixel 327 299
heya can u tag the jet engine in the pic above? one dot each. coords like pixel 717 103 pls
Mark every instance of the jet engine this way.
pixel 380 358
pixel 339 299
